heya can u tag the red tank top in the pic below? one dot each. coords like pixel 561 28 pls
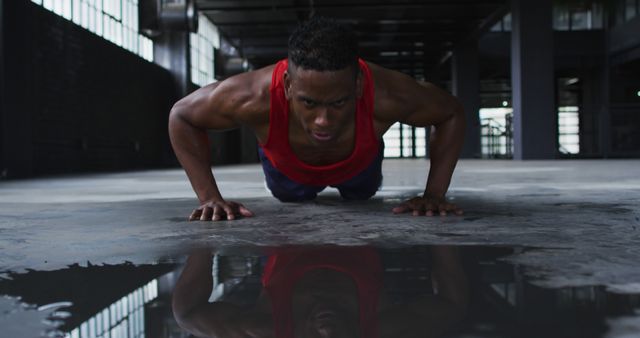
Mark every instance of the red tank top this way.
pixel 286 267
pixel 278 150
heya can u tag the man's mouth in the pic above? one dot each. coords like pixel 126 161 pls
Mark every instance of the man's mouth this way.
pixel 320 136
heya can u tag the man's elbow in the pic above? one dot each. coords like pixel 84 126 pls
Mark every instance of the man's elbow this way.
pixel 181 313
pixel 454 117
pixel 457 110
pixel 458 117
pixel 178 110
pixel 178 116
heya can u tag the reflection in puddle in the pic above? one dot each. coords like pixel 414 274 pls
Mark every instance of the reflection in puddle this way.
pixel 93 301
pixel 329 291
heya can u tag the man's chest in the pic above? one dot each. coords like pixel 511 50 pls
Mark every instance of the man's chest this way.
pixel 321 155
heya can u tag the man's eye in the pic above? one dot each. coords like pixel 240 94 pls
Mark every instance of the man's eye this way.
pixel 309 103
pixel 339 103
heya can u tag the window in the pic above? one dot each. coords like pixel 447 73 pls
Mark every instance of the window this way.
pixel 124 318
pixel 578 16
pixel 114 20
pixel 202 51
pixel 402 140
pixel 495 133
pixel 569 130
pixel 567 17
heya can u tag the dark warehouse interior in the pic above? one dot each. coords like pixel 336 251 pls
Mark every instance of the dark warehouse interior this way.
pixel 536 233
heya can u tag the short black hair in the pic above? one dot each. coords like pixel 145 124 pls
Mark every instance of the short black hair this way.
pixel 323 44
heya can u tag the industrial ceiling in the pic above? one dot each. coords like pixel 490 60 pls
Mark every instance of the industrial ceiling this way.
pixel 410 36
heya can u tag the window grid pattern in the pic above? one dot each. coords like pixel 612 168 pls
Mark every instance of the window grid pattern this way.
pixel 403 140
pixel 202 51
pixel 122 319
pixel 114 20
pixel 569 130
pixel 495 133
pixel 567 18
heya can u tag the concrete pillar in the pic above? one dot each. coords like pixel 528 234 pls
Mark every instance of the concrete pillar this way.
pixel 535 132
pixel 466 87
pixel 171 51
pixel 595 120
pixel 604 116
pixel 3 160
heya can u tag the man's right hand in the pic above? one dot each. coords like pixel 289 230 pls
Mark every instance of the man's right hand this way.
pixel 219 210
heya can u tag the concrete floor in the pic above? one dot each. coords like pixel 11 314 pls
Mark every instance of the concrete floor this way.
pixel 584 216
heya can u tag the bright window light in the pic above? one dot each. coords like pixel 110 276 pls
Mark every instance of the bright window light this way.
pixel 393 141
pixel 114 20
pixel 202 51
pixel 569 129
pixel 123 318
pixel 48 4
pixel 494 141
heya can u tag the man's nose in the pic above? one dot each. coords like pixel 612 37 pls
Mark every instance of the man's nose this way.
pixel 322 117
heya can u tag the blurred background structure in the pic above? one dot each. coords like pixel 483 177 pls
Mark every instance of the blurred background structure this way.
pixel 87 85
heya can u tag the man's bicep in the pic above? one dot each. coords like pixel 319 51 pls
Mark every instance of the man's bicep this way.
pixel 428 105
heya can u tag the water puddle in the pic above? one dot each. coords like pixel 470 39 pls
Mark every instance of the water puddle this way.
pixel 298 291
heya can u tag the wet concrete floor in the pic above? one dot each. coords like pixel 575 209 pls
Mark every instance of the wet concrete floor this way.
pixel 580 218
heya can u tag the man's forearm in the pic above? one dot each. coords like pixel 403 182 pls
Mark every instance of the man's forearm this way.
pixel 449 276
pixel 194 285
pixel 190 304
pixel 445 145
pixel 191 146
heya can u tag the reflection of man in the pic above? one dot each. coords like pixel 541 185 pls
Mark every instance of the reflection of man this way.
pixel 319 117
pixel 322 292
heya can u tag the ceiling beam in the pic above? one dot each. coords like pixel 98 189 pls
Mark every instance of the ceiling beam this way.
pixel 211 6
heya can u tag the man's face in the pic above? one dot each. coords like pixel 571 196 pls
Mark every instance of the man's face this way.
pixel 318 317
pixel 324 103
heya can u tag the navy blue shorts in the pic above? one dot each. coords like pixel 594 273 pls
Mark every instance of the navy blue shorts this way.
pixel 360 187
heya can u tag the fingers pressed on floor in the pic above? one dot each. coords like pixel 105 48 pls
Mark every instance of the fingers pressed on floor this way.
pixel 217 213
pixel 206 214
pixel 245 212
pixel 230 213
pixel 400 209
pixel 195 214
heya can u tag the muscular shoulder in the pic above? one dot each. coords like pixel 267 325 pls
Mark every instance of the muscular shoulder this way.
pixel 392 93
pixel 246 95
pixel 399 97
pixel 242 99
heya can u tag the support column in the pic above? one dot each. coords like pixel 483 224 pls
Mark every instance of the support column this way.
pixel 535 132
pixel 171 51
pixel 3 110
pixel 604 115
pixel 466 87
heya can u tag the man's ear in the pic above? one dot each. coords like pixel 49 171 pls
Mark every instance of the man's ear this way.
pixel 359 84
pixel 287 84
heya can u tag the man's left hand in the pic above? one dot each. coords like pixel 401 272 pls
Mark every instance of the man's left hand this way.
pixel 428 206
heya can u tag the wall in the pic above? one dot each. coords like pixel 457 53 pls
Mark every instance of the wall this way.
pixel 75 102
